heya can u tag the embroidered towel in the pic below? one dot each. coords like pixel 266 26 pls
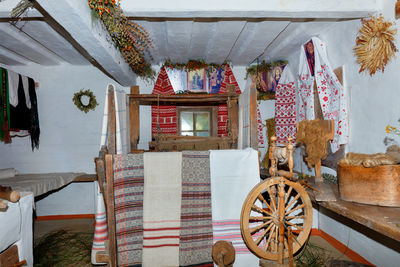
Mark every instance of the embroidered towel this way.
pixel 162 208
pixel 330 92
pixel 285 107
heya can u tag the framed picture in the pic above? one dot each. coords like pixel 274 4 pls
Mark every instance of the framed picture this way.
pixel 215 80
pixel 268 81
pixel 197 81
pixel 178 79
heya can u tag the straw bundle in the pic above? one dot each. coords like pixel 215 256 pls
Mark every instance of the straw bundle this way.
pixel 374 44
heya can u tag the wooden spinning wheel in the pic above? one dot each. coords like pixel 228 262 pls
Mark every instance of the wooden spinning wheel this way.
pixel 276 216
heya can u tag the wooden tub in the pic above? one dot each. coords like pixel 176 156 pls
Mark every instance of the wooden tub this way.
pixel 376 186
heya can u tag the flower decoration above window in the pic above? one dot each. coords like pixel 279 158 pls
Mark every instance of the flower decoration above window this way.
pixel 131 39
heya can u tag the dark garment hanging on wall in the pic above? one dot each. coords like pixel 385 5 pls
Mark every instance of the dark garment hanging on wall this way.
pixel 35 129
pixel 4 108
pixel 20 116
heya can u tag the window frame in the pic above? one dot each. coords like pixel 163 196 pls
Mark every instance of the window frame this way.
pixel 213 123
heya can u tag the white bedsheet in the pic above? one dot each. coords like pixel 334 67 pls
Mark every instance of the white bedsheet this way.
pixel 39 183
pixel 16 227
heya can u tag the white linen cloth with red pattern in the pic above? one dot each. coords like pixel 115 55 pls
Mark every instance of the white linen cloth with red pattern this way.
pixel 330 92
pixel 285 107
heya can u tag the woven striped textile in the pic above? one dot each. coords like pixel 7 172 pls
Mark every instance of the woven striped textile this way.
pixel 165 116
pixel 128 198
pixel 229 78
pixel 162 208
pixel 196 237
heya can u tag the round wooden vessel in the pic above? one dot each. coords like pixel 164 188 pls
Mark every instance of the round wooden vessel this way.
pixel 376 186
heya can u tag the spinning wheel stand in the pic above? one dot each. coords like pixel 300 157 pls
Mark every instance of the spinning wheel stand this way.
pixel 276 216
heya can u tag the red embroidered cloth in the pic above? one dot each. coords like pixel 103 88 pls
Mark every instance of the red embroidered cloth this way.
pixel 164 116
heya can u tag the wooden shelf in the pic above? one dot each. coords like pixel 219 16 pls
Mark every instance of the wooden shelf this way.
pixel 384 220
pixel 183 99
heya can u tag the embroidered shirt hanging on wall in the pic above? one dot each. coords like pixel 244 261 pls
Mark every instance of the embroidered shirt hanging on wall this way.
pixel 330 92
pixel 229 78
pixel 163 116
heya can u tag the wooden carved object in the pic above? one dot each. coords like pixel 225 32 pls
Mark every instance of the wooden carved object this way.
pixel 315 135
pixel 223 253
pixel 8 194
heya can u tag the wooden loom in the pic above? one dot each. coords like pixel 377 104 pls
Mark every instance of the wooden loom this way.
pixel 163 142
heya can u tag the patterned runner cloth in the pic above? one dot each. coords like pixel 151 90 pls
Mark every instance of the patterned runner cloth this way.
pixel 128 197
pixel 196 237
pixel 162 208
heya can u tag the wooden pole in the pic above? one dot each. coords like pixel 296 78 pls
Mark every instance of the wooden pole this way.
pixel 111 137
pixel 112 245
pixel 281 210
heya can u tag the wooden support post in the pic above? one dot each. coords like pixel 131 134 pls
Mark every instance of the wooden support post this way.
pixel 134 118
pixel 135 89
pixel 290 246
pixel 112 244
pixel 253 117
pixel 111 137
pixel 281 210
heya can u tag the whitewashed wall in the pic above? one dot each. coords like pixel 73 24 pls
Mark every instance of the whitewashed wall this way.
pixel 69 138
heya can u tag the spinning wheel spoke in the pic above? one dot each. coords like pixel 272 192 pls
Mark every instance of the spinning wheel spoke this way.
pixel 265 202
pixel 276 239
pixel 295 225
pixel 285 242
pixel 294 217
pixel 288 194
pixel 256 229
pixel 259 210
pixel 293 201
pixel 269 238
pixel 261 218
pixel 272 195
pixel 297 208
pixel 258 241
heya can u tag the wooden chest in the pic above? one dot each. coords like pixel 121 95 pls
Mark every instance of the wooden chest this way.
pixel 376 186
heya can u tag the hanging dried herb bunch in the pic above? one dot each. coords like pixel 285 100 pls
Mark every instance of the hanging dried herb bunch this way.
pixel 375 44
pixel 131 39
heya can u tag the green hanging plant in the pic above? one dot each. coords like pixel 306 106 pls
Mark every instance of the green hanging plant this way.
pixel 263 67
pixel 77 99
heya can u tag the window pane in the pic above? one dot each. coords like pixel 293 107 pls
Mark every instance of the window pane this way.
pixel 187 133
pixel 202 121
pixel 187 121
pixel 203 134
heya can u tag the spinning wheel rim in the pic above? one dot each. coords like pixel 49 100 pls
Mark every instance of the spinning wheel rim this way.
pixel 269 215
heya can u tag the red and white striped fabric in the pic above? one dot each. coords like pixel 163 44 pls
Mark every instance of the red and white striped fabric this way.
pixel 165 116
pixel 100 229
pixel 229 78
pixel 285 107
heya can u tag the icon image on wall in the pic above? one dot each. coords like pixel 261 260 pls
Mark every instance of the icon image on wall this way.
pixel 197 81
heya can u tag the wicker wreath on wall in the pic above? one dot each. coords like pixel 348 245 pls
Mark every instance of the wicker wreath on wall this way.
pixel 77 99
pixel 375 44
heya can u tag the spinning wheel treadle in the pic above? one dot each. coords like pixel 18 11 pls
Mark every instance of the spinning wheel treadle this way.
pixel 259 220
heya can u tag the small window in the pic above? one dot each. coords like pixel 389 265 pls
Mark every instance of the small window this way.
pixel 196 121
